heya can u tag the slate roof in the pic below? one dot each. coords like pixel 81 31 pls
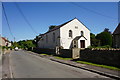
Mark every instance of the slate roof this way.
pixel 117 30
pixel 78 37
pixel 5 39
pixel 57 27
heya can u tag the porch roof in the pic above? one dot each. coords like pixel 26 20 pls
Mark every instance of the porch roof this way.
pixel 78 37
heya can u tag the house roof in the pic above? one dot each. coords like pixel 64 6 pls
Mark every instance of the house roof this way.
pixel 78 37
pixel 5 39
pixel 117 30
pixel 57 27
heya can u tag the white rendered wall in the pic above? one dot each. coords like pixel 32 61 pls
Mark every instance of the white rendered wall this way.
pixel 65 40
pixel 64 34
pixel 50 43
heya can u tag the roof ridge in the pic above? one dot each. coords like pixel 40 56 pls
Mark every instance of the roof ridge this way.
pixel 57 27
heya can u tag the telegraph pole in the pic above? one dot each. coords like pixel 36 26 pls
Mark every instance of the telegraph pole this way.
pixel 118 12
pixel 14 39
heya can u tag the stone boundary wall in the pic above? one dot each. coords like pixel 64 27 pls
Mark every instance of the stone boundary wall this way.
pixel 101 56
pixel 63 52
pixel 110 49
pixel 66 53
pixel 44 50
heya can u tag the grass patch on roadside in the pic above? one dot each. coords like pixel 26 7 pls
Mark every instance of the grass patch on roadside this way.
pixel 43 54
pixel 63 58
pixel 104 66
pixel 84 62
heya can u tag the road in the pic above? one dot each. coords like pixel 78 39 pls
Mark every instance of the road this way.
pixel 25 65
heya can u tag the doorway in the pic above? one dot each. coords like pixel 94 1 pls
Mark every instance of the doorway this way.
pixel 82 43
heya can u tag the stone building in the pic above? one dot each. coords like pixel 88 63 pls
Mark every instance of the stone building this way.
pixel 116 37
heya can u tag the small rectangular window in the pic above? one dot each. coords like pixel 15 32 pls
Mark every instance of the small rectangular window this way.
pixel 70 33
pixel 53 37
pixel 76 27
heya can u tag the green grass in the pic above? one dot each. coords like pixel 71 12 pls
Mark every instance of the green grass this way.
pixel 63 58
pixel 104 66
pixel 46 54
pixel 43 54
pixel 84 62
pixel 58 57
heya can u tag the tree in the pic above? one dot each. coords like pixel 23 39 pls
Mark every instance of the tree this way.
pixel 94 42
pixel 37 38
pixel 92 35
pixel 107 30
pixel 105 38
pixel 24 44
pixel 29 44
pixel 15 44
pixel 52 26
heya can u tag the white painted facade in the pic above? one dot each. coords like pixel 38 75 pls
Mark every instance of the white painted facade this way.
pixel 4 42
pixel 61 36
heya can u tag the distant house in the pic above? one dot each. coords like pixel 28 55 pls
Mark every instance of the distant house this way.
pixel 0 41
pixel 4 42
pixel 68 35
pixel 116 37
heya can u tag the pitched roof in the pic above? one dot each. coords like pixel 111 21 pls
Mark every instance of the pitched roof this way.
pixel 117 30
pixel 57 27
pixel 78 37
pixel 5 39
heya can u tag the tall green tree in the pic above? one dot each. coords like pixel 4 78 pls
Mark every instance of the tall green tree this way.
pixel 94 42
pixel 36 39
pixel 105 38
pixel 24 44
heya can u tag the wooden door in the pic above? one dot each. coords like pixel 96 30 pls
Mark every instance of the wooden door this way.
pixel 82 43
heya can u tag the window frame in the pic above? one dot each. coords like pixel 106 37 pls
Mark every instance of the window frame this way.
pixel 82 33
pixel 53 37
pixel 70 33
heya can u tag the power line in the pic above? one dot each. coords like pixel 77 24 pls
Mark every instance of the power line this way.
pixel 92 11
pixel 7 21
pixel 25 19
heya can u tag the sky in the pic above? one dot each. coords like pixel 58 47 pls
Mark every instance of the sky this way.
pixel 40 15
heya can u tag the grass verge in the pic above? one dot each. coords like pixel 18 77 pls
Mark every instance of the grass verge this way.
pixel 63 58
pixel 43 54
pixel 88 63
pixel 103 66
pixel 57 57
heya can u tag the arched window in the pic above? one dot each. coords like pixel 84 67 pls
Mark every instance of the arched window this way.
pixel 82 33
pixel 70 33
pixel 53 37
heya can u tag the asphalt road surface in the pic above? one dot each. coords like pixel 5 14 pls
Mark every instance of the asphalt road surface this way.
pixel 25 65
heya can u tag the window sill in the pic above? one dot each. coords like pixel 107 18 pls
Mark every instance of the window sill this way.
pixel 70 38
